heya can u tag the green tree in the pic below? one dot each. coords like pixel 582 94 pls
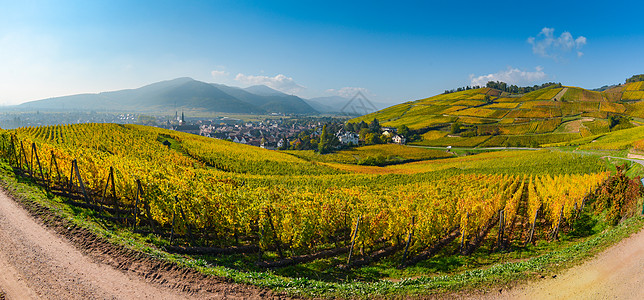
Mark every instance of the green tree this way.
pixel 403 130
pixel 324 146
pixel 372 138
pixel 374 126
pixel 455 128
pixel 363 133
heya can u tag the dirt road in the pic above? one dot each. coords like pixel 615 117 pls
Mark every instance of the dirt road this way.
pixel 617 273
pixel 38 263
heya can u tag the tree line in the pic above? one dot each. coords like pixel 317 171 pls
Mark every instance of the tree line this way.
pixel 513 89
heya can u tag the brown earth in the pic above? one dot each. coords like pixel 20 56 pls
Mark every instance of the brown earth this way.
pixel 62 261
pixel 617 273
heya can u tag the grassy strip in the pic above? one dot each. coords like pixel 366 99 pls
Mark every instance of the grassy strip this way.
pixel 499 274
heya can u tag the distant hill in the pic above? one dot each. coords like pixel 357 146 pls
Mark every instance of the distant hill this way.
pixel 182 93
pixel 487 117
pixel 336 104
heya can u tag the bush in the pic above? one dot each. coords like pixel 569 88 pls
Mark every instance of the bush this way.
pixel 619 196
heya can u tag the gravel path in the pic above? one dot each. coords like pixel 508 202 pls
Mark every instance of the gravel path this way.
pixel 617 273
pixel 38 263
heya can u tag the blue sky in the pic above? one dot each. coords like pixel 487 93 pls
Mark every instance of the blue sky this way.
pixel 392 51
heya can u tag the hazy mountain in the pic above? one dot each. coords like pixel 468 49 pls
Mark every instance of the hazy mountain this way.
pixel 263 90
pixel 268 99
pixel 336 104
pixel 181 93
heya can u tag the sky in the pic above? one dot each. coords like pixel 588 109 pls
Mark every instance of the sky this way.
pixel 392 51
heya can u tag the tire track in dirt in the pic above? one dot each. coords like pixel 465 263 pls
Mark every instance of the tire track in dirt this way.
pixel 37 262
pixel 617 273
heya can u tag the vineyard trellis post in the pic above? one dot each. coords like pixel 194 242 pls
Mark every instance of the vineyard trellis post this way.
pixel 110 179
pixel 353 240
pixel 185 220
pixel 139 193
pixel 467 219
pixel 173 219
pixel 259 243
pixel 555 232
pixel 499 240
pixel 24 156
pixel 34 152
pixel 146 205
pixel 13 159
pixel 80 180
pixel 277 241
pixel 55 164
pixel 534 222
pixel 411 234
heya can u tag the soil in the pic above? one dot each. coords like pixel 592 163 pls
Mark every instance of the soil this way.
pixel 45 256
pixel 616 273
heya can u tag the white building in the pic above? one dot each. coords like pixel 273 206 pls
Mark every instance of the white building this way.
pixel 399 139
pixel 348 137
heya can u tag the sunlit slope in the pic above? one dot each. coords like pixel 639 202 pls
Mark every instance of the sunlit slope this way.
pixel 492 118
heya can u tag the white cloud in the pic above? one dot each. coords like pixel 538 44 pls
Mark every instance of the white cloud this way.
pixel 219 74
pixel 546 44
pixel 280 82
pixel 510 76
pixel 349 92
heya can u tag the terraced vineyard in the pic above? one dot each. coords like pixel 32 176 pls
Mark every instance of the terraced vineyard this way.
pixel 549 115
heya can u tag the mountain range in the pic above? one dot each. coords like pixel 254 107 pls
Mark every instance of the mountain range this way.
pixel 186 94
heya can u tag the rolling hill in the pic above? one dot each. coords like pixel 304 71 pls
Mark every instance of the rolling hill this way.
pixel 181 94
pixel 549 115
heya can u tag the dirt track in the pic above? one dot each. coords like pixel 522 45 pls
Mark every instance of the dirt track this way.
pixel 45 262
pixel 617 273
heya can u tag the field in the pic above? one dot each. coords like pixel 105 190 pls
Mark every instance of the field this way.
pixel 300 214
pixel 537 112
pixel 392 154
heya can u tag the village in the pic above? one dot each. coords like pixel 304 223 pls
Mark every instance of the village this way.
pixel 274 134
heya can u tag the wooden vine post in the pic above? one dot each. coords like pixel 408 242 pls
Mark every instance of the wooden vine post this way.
pixel 110 180
pixel 353 240
pixel 34 152
pixel 54 163
pixel 80 180
pixel 277 241
pixel 555 233
pixel 173 219
pixel 146 205
pixel 534 222
pixel 185 220
pixel 139 194
pixel 411 234
pixel 499 240
pixel 467 218
pixel 24 156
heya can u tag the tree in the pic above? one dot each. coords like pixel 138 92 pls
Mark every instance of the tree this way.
pixel 324 146
pixel 488 99
pixel 349 127
pixel 635 78
pixel 372 138
pixel 363 133
pixel 403 130
pixel 374 126
pixel 455 128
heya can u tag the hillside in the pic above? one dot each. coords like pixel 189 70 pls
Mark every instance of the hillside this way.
pixel 281 219
pixel 549 115
pixel 181 94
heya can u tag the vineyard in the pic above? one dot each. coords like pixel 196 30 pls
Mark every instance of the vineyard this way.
pixel 206 196
pixel 545 116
